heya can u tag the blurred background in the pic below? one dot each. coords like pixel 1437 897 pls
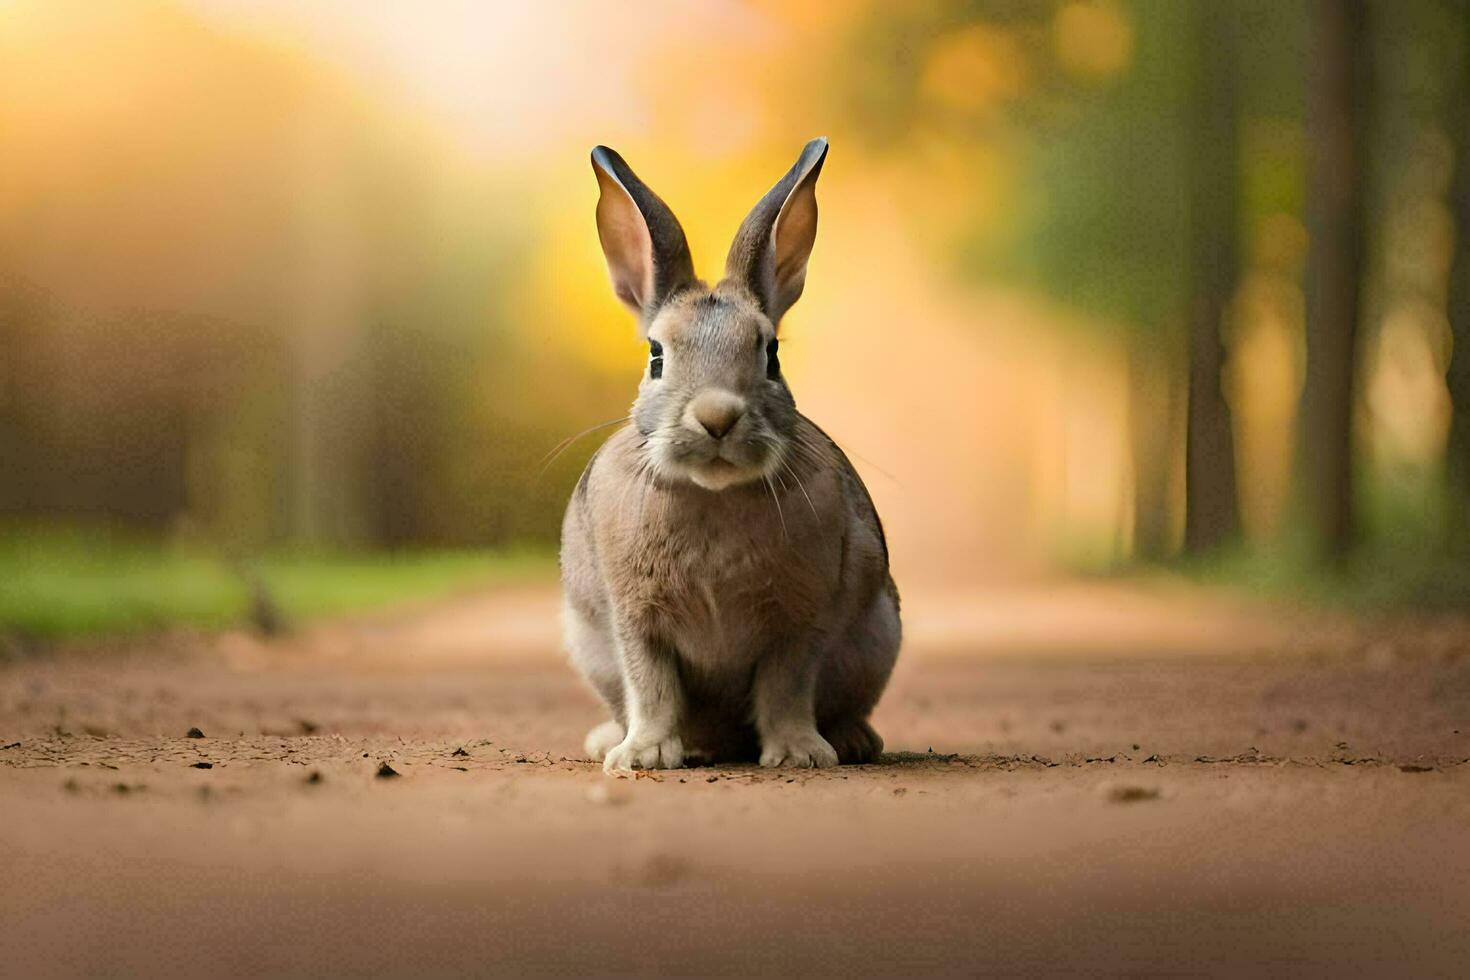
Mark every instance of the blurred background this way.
pixel 296 298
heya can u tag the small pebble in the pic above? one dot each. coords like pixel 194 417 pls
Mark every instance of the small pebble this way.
pixel 1132 794
pixel 604 793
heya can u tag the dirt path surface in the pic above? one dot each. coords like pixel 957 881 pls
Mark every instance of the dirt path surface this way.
pixel 1081 779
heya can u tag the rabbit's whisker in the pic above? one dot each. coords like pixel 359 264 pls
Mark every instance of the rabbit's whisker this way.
pixel 779 516
pixel 629 486
pixel 812 455
pixel 875 467
pixel 802 486
pixel 565 444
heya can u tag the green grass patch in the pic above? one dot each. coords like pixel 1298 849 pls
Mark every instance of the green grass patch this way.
pixel 66 582
pixel 1374 579
pixel 308 586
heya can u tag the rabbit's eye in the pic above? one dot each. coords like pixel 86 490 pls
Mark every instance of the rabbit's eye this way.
pixel 773 364
pixel 655 359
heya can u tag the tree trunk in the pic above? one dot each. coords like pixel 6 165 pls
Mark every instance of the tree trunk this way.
pixel 1155 391
pixel 1336 97
pixel 325 460
pixel 21 449
pixel 1211 515
pixel 1458 378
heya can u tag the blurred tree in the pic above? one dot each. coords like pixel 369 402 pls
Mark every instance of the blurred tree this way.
pixel 1156 386
pixel 279 315
pixel 1104 129
pixel 325 307
pixel 23 316
pixel 1210 497
pixel 1458 376
pixel 1115 169
pixel 1337 95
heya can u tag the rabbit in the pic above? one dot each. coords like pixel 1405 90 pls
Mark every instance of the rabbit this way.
pixel 725 576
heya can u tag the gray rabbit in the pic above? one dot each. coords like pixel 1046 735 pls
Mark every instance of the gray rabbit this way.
pixel 725 576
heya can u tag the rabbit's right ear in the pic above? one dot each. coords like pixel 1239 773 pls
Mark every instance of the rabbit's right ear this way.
pixel 647 254
pixel 771 248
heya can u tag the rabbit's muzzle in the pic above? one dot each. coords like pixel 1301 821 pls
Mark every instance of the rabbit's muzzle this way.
pixel 718 441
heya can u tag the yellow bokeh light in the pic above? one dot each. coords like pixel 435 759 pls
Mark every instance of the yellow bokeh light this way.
pixel 1093 39
pixel 974 69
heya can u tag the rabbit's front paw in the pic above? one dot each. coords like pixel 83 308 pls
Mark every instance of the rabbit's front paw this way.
pixel 637 752
pixel 603 739
pixel 798 750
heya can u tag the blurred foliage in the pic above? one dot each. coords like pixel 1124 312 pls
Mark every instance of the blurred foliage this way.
pixel 62 581
pixel 276 313
pixel 1090 100
pixel 343 292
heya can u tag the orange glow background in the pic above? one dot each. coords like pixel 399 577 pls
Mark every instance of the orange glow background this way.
pixel 297 169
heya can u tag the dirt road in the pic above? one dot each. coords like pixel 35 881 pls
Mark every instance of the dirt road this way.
pixel 1084 779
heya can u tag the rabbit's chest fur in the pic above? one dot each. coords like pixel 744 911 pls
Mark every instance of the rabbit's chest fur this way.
pixel 725 577
pixel 732 585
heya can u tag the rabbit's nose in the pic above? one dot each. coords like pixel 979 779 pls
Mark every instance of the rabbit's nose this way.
pixel 717 411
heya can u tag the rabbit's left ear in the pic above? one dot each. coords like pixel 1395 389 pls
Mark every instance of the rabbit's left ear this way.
pixel 771 248
pixel 647 254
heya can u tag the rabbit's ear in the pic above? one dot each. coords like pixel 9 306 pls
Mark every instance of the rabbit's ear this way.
pixel 647 254
pixel 773 244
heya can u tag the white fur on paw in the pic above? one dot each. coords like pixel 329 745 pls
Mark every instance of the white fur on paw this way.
pixel 634 752
pixel 602 739
pixel 798 750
